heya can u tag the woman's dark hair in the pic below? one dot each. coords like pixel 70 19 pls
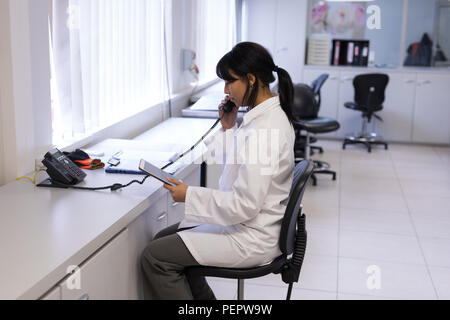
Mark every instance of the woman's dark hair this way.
pixel 251 58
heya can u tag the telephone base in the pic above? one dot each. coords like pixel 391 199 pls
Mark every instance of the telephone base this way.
pixel 49 183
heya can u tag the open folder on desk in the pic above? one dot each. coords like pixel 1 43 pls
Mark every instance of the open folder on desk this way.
pixel 129 161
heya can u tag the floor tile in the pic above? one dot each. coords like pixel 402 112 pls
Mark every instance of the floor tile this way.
pixel 358 184
pixel 322 217
pixel 367 170
pixel 430 228
pixel 380 246
pixel 422 171
pixel 441 280
pixel 384 279
pixel 374 200
pixel 436 251
pixel 261 292
pixel 223 290
pixel 322 241
pixel 429 207
pixel 346 296
pixel 376 221
pixel 413 187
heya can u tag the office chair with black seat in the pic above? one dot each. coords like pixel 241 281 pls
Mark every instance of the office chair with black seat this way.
pixel 316 85
pixel 292 242
pixel 369 98
pixel 305 109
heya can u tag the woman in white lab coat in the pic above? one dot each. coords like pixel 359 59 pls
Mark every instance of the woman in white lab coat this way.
pixel 239 224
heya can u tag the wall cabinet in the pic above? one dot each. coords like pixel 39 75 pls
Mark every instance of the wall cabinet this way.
pixel 416 107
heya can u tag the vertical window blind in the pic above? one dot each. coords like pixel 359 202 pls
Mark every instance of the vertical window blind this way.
pixel 108 57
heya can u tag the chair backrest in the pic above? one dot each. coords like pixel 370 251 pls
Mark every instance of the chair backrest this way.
pixel 369 89
pixel 317 84
pixel 303 170
pixel 304 104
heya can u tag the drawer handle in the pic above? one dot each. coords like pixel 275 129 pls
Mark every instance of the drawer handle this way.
pixel 175 204
pixel 408 81
pixel 333 78
pixel 162 216
pixel 84 297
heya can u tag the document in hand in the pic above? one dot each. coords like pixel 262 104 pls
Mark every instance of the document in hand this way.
pixel 155 172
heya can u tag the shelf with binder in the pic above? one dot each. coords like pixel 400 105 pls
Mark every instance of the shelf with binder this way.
pixel 350 52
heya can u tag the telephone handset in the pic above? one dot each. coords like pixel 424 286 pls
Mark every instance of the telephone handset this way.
pixel 61 169
pixel 228 107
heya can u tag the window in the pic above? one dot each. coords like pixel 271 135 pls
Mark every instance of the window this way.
pixel 108 57
pixel 216 34
pixel 107 61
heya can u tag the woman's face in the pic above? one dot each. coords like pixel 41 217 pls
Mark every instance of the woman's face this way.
pixel 236 89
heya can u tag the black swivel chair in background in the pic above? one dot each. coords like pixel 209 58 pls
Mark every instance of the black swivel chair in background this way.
pixel 292 241
pixel 369 98
pixel 305 110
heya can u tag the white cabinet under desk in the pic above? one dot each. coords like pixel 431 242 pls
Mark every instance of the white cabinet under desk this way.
pixel 416 107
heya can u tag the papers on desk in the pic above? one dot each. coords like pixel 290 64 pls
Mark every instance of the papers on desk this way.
pixel 129 161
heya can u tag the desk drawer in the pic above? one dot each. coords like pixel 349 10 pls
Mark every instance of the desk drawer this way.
pixel 103 276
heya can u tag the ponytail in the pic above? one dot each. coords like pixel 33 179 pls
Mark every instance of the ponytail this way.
pixel 252 58
pixel 285 91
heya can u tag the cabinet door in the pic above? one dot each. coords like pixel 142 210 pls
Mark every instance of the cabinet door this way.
pixel 432 110
pixel 141 231
pixel 329 93
pixel 102 276
pixel 398 108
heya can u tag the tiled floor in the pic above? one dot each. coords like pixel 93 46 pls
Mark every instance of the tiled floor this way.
pixel 381 231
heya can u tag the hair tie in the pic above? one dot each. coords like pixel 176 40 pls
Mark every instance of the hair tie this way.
pixel 276 69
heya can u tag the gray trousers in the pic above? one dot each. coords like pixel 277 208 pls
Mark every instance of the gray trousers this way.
pixel 163 262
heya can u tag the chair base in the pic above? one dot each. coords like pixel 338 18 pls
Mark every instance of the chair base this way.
pixel 322 167
pixel 367 140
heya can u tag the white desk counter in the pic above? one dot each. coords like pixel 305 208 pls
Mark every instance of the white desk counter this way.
pixel 45 230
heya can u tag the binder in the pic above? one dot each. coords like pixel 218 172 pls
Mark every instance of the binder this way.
pixel 350 48
pixel 350 52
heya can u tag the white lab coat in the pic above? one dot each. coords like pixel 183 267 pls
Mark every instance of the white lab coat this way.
pixel 240 223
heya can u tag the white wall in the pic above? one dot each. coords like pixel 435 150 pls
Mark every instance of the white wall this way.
pixel 280 26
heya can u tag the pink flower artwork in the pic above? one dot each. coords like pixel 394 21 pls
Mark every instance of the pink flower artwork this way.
pixel 319 14
pixel 360 15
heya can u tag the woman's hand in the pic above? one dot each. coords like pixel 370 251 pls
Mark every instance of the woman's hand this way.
pixel 228 120
pixel 178 191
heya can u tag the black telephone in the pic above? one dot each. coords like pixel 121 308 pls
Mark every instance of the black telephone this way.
pixel 61 169
pixel 228 107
